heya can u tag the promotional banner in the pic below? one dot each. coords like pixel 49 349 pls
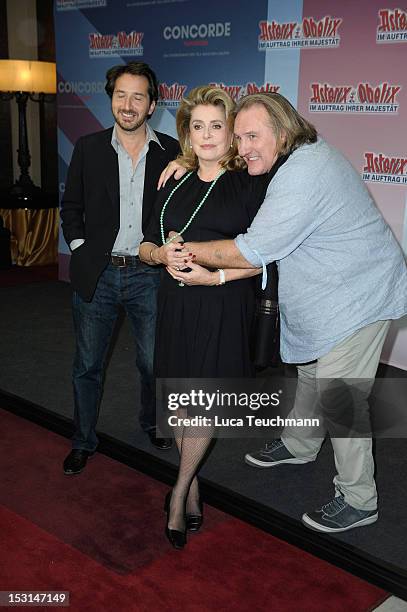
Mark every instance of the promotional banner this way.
pixel 341 64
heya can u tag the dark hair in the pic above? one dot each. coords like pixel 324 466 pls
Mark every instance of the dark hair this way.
pixel 136 69
pixel 290 128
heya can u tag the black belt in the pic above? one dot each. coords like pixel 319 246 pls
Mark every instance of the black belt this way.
pixel 123 261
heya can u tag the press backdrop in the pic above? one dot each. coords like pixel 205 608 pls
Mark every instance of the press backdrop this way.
pixel 342 64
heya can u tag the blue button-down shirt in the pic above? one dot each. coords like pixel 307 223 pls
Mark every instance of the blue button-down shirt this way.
pixel 340 266
pixel 131 180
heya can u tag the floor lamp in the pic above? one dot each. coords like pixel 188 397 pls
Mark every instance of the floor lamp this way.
pixel 23 80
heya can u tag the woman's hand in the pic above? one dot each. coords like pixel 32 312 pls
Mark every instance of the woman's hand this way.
pixel 169 254
pixel 197 276
pixel 173 168
pixel 175 237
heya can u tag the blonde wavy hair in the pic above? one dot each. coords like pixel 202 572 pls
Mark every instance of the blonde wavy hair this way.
pixel 208 96
pixel 290 128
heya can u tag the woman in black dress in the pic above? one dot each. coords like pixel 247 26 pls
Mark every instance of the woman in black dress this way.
pixel 204 322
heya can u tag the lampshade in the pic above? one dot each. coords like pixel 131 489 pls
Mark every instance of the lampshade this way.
pixel 27 75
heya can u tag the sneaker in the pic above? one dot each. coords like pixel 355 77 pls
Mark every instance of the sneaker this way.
pixel 274 453
pixel 338 515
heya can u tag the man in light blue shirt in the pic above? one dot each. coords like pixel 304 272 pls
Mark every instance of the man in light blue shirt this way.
pixel 342 278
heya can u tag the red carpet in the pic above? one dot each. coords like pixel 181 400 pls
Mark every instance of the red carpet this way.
pixel 100 537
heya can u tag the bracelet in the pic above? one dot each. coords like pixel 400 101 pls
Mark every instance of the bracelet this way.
pixel 222 278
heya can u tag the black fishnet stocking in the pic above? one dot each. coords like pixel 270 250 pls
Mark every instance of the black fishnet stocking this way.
pixel 192 443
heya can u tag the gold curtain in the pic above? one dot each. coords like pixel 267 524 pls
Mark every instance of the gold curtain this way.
pixel 34 235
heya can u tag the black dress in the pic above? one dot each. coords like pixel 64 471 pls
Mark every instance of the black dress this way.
pixel 206 331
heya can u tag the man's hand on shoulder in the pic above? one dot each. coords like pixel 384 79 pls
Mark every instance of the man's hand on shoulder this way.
pixel 173 168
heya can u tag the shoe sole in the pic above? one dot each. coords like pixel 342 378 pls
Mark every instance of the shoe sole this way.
pixel 317 527
pixel 265 464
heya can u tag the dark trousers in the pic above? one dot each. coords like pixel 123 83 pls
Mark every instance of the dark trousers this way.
pixel 135 288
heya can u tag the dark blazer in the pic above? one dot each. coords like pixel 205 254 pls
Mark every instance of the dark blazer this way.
pixel 91 204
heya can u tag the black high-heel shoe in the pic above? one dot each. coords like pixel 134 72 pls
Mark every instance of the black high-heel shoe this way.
pixel 177 538
pixel 194 521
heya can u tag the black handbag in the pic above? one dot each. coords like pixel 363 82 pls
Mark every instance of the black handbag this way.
pixel 266 333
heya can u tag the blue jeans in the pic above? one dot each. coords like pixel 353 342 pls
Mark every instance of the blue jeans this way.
pixel 135 288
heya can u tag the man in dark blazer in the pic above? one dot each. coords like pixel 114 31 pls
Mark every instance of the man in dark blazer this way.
pixel 108 200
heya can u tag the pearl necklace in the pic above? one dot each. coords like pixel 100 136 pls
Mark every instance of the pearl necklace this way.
pixel 191 218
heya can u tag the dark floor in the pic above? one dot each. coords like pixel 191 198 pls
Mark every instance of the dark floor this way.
pixel 23 275
pixel 36 354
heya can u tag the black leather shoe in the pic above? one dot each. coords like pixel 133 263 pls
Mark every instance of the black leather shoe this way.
pixel 76 461
pixel 194 521
pixel 178 539
pixel 157 441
